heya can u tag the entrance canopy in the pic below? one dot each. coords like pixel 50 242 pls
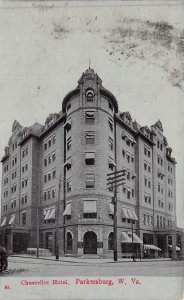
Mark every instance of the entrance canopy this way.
pixel 152 247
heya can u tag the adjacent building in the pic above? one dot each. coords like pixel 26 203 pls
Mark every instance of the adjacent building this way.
pixel 54 181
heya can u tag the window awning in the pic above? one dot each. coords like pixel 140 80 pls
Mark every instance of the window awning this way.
pixel 131 214
pixel 3 222
pixel 111 162
pixel 125 213
pixel 89 206
pixel 90 114
pixel 12 219
pixel 47 213
pixel 177 248
pixel 152 247
pixel 52 214
pixel 136 239
pixel 67 211
pixel 111 209
pixel 125 238
pixel 90 155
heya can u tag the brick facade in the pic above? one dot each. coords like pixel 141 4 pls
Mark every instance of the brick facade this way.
pixel 61 179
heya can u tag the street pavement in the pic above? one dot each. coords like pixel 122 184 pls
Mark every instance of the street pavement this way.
pixel 67 266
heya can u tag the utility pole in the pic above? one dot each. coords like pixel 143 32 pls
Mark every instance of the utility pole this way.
pixel 57 220
pixel 133 257
pixel 114 180
pixel 38 219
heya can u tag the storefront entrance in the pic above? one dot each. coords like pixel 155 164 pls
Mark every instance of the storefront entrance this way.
pixel 90 243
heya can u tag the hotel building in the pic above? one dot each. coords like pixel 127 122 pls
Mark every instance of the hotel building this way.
pixel 54 179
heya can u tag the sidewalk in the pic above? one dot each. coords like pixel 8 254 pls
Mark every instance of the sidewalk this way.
pixel 88 260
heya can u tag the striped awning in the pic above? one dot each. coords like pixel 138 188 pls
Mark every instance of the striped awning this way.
pixel 125 238
pixel 12 219
pixel 152 247
pixel 136 239
pixel 129 213
pixel 3 222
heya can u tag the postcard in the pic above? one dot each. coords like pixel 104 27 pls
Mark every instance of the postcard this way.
pixel 91 145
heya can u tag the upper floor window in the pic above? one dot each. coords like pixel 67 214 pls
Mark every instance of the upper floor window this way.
pixel 110 106
pixel 68 106
pixel 110 141
pixel 90 95
pixel 90 158
pixel 90 137
pixel 110 122
pixel 90 117
pixel 23 218
pixel 68 185
pixel 69 143
pixel 90 180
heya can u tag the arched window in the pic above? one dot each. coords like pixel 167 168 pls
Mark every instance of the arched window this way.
pixel 69 241
pixel 90 95
pixel 111 241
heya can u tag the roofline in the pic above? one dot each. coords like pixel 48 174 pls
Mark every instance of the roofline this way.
pixel 68 96
pixel 109 95
pixel 6 156
pixel 117 118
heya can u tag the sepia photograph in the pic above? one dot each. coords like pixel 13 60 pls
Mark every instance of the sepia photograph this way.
pixel 92 150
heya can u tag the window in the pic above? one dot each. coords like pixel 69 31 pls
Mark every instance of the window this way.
pixel 110 106
pixel 145 150
pixel 133 193
pixel 69 143
pixel 90 158
pixel 53 193
pixel 54 139
pixel 111 241
pixel 149 183
pixel 128 157
pixel 128 193
pixel 145 166
pixel 158 187
pixel 149 199
pixel 53 157
pixel 68 185
pixel 45 162
pixel 110 141
pixel 25 198
pixel 68 106
pixel 158 221
pixel 144 219
pixel 145 181
pixel 49 176
pixel 110 122
pixel 49 195
pixel 158 144
pixel 24 218
pixel 69 241
pixel 149 153
pixel 90 181
pixel 90 117
pixel 132 159
pixel 45 178
pixel 45 196
pixel 90 215
pixel 149 169
pixel 89 95
pixel 54 174
pixel 49 143
pixel 90 138
pixel 49 159
pixel 146 198
pixel 123 152
pixel 45 146
pixel 128 175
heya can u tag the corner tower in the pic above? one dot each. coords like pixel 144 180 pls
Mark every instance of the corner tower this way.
pixel 89 156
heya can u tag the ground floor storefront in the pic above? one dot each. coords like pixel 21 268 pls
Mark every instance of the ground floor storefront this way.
pixel 96 239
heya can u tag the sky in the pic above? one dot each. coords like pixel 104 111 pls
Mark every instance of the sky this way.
pixel 136 49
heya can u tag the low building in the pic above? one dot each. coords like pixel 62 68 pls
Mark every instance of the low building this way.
pixel 54 181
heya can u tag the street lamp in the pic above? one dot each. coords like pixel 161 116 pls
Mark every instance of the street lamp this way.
pixel 114 180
